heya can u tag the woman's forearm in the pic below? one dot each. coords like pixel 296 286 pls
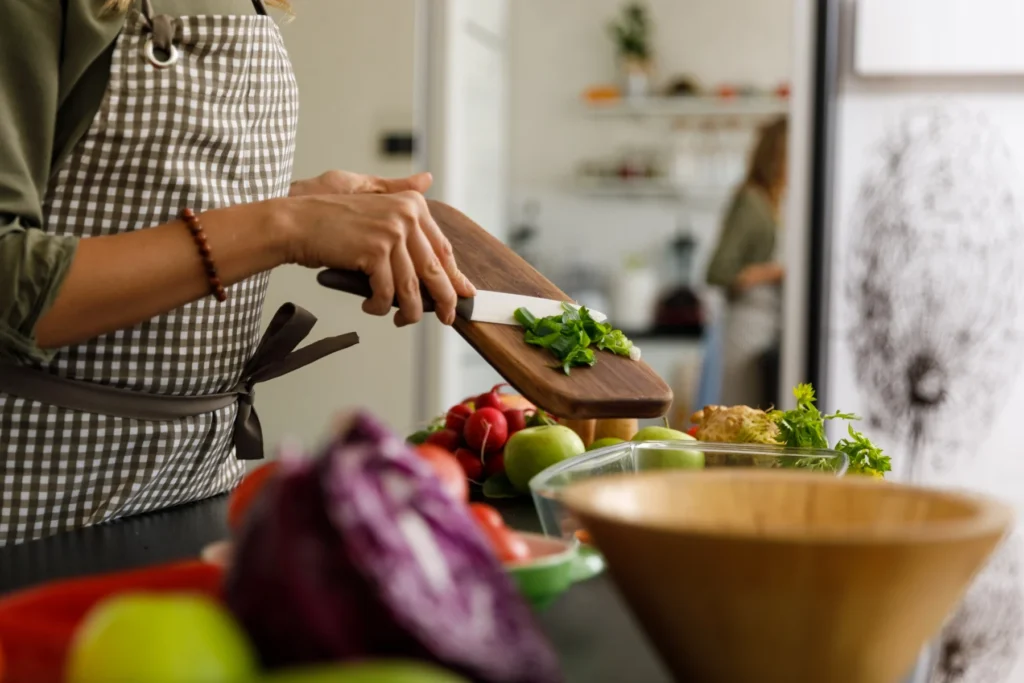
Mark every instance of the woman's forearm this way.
pixel 118 281
pixel 758 274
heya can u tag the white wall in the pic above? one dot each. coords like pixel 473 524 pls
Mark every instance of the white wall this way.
pixel 354 64
pixel 559 48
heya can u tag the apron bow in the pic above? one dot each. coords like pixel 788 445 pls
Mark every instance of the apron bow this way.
pixel 276 355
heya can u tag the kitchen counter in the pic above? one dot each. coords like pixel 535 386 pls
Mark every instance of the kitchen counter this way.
pixel 590 627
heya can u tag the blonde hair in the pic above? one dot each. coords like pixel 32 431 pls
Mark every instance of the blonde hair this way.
pixel 125 5
pixel 767 170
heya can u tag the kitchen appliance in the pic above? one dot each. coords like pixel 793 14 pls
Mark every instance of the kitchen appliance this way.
pixel 679 310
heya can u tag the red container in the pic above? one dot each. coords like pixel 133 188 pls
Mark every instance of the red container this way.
pixel 37 624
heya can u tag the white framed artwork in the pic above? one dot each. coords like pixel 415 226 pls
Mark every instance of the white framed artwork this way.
pixel 939 38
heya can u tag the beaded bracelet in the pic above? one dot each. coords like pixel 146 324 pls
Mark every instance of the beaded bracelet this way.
pixel 196 228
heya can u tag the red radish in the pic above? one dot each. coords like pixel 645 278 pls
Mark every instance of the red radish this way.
pixel 447 439
pixel 516 420
pixel 507 544
pixel 470 463
pixel 495 464
pixel 456 418
pixel 486 430
pixel 489 400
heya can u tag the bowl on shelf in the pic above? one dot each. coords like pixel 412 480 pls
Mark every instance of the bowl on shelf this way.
pixel 633 457
pixel 744 575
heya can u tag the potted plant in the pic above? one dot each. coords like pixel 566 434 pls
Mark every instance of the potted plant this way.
pixel 632 35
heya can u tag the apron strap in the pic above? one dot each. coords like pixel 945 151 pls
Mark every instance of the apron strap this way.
pixel 160 50
pixel 275 356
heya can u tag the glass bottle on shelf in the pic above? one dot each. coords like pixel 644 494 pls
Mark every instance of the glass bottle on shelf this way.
pixel 685 162
pixel 709 154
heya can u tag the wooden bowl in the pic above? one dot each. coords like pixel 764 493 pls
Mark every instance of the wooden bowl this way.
pixel 784 577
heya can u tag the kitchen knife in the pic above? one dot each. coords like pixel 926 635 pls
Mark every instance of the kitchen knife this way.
pixel 485 307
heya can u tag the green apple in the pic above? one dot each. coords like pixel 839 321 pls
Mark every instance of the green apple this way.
pixel 534 449
pixel 671 459
pixel 605 443
pixel 365 672
pixel 168 638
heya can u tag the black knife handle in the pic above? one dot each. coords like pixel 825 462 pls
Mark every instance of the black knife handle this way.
pixel 355 282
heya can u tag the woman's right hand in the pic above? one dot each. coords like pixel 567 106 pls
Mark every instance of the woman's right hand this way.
pixel 390 237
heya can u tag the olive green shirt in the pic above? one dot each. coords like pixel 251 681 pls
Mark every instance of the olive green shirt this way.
pixel 748 237
pixel 54 66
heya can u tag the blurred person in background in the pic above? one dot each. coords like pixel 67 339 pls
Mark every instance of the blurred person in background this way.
pixel 745 265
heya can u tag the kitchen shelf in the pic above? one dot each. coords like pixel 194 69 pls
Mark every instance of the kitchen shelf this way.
pixel 647 188
pixel 691 106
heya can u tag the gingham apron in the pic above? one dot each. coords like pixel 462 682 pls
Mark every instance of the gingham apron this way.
pixel 200 112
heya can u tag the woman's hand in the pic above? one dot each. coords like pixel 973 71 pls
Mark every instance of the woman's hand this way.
pixel 345 182
pixel 390 237
pixel 758 274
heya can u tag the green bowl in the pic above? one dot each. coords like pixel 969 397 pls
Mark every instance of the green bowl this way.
pixel 555 565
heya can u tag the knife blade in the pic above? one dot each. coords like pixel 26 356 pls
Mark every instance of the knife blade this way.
pixel 485 307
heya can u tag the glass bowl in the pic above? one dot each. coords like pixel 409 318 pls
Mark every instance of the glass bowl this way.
pixel 644 456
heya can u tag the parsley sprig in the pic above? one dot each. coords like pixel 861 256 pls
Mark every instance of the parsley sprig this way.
pixel 804 427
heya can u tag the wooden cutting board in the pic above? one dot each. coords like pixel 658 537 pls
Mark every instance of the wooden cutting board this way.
pixel 613 387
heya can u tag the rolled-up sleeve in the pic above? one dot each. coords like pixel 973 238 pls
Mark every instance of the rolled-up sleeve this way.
pixel 33 264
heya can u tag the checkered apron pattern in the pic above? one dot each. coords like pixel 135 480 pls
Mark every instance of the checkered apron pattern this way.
pixel 213 129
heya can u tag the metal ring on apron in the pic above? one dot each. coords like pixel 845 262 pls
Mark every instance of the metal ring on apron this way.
pixel 172 55
pixel 161 30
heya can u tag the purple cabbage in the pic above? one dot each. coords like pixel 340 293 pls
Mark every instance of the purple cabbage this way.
pixel 361 554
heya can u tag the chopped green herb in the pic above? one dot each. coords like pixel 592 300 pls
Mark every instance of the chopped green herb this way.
pixel 570 336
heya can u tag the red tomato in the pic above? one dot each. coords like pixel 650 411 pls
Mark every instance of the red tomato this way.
pixel 447 469
pixel 507 544
pixel 242 497
pixel 486 516
pixel 692 431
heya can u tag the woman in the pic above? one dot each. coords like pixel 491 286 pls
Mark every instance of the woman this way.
pixel 127 359
pixel 744 264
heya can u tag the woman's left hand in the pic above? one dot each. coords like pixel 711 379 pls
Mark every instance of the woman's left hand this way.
pixel 345 182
